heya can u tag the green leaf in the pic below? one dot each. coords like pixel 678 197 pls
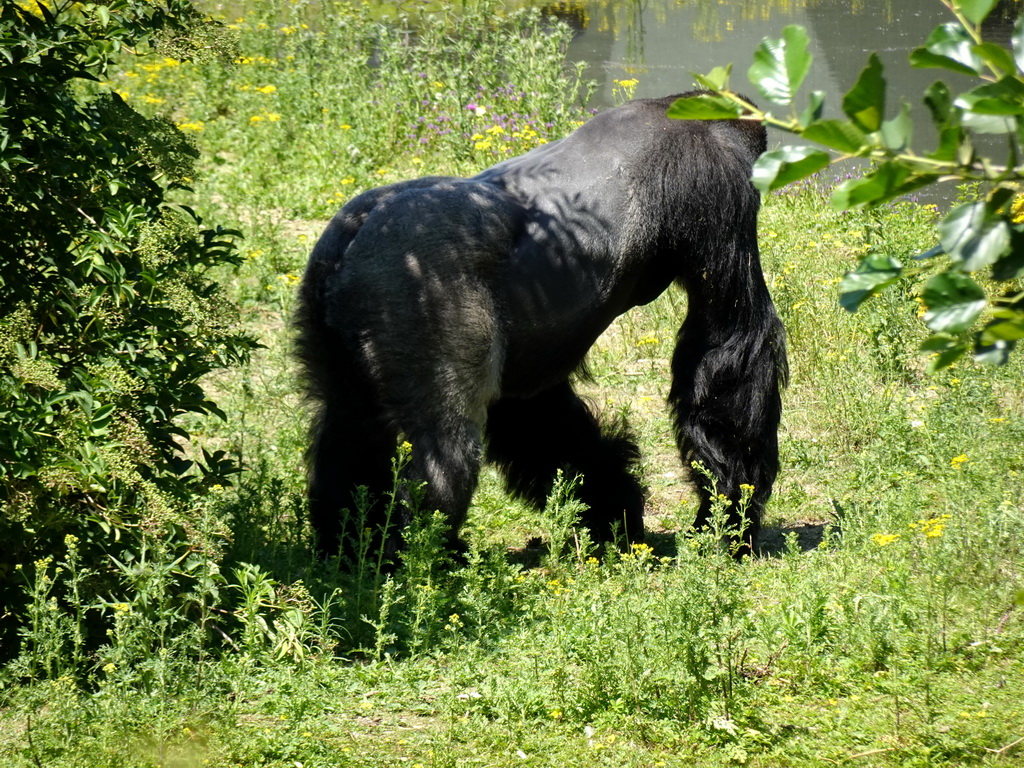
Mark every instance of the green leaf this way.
pixel 836 134
pixel 815 107
pixel 1010 266
pixel 886 181
pixel 975 11
pixel 896 132
pixel 948 47
pixel 996 353
pixel 705 106
pixel 865 102
pixel 947 357
pixel 939 102
pixel 974 236
pixel 780 66
pixel 874 273
pixel 950 145
pixel 783 166
pixel 1004 330
pixel 954 302
pixel 995 56
pixel 1017 40
pixel 938 342
pixel 1005 97
pixel 715 80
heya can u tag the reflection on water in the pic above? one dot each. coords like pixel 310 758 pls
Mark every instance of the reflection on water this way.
pixel 661 43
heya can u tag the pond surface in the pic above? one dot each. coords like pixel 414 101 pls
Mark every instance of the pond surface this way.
pixel 661 42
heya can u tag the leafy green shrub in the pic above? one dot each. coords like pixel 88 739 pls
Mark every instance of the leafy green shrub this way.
pixel 108 315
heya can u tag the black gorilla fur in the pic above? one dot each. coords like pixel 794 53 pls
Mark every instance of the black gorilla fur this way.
pixel 453 312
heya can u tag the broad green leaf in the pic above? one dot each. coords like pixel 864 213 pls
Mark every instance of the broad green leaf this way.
pixel 780 66
pixel 937 342
pixel 783 166
pixel 990 124
pixel 1017 40
pixel 815 107
pixel 836 134
pixel 1011 265
pixel 974 236
pixel 865 102
pixel 1005 97
pixel 1004 330
pixel 954 302
pixel 896 132
pixel 995 56
pixel 715 80
pixel 996 353
pixel 874 273
pixel 886 181
pixel 947 120
pixel 975 11
pixel 948 47
pixel 939 102
pixel 705 106
pixel 947 357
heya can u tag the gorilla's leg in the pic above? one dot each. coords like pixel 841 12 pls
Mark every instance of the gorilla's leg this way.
pixel 530 439
pixel 726 401
pixel 446 456
pixel 350 448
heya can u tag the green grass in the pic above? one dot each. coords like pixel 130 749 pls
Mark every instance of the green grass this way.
pixel 878 627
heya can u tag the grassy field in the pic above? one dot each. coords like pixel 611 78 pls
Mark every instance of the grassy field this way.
pixel 878 626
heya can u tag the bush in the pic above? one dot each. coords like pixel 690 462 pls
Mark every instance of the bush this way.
pixel 108 316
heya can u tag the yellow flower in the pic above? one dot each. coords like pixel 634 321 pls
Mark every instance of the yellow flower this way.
pixel 884 539
pixel 958 461
pixel 266 88
pixel 933 527
pixel 1017 209
pixel 192 125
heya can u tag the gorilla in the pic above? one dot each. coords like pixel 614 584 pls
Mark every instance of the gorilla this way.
pixel 453 313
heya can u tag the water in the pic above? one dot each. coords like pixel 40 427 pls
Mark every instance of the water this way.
pixel 661 42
